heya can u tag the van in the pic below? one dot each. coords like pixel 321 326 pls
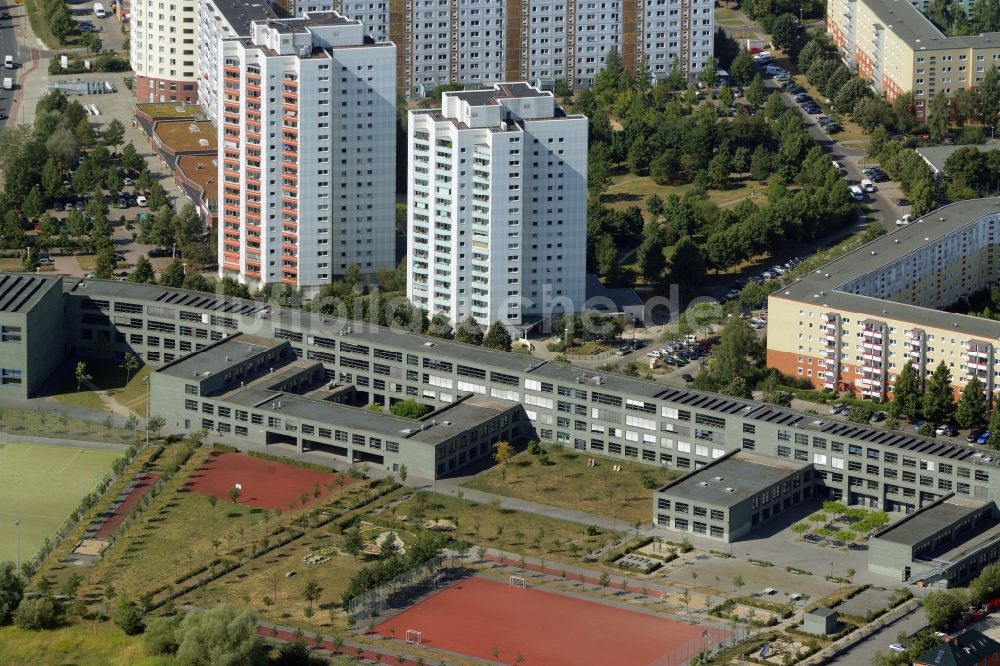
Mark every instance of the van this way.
pixel 99 10
pixel 857 193
pixel 8 61
pixel 867 185
pixel 8 83
pixel 773 70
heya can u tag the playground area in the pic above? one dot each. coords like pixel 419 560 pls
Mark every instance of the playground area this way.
pixel 264 484
pixel 511 622
pixel 40 485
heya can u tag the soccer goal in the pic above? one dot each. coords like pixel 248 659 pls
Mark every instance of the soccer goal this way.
pixel 518 581
pixel 413 636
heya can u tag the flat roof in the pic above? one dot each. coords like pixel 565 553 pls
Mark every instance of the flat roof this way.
pixel 22 292
pixel 170 110
pixel 821 287
pixel 219 357
pixel 203 171
pixel 917 526
pixel 822 611
pixel 240 14
pixel 182 136
pixel 910 25
pixel 458 417
pixel 491 96
pixel 732 479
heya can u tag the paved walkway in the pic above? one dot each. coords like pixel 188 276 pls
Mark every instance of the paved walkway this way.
pixel 112 404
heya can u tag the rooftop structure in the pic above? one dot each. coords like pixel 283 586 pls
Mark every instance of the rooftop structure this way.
pixel 731 480
pixel 971 648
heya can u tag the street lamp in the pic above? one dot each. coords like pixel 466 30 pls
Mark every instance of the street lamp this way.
pixel 79 474
pixel 146 381
pixel 17 529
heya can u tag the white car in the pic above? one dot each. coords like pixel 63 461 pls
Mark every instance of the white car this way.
pixel 654 354
pixel 128 182
pixel 141 200
pixel 897 647
pixel 905 220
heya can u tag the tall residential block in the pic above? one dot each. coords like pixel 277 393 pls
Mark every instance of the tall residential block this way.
pixel 898 50
pixel 482 42
pixel 164 50
pixel 308 151
pixel 497 214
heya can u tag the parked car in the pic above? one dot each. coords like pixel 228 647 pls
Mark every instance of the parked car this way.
pixel 946 430
pixel 44 261
pixel 622 351
pixel 877 417
pixel 654 354
pixel 813 110
pixel 833 128
pixel 974 436
pixel 897 647
pixel 918 425
pixel 141 200
pixel 905 220
pixel 158 252
pixel 687 377
pixel 879 177
pixel 128 182
pixel 902 202
pixel 838 408
pixel 824 120
pixel 983 438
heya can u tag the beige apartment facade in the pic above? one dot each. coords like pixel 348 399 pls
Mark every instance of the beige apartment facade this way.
pixel 898 50
pixel 854 323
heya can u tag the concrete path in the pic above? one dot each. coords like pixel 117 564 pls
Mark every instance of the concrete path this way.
pixel 112 404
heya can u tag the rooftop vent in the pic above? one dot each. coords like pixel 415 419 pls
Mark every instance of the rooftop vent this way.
pixel 716 478
pixel 428 344
pixel 703 484
pixel 730 490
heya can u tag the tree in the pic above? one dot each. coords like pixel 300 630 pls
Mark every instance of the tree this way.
pixel 971 410
pixel 409 409
pixel 503 453
pixel 756 93
pixel 649 255
pixel 37 613
pixel 105 263
pixel 197 282
pixel 229 287
pixel 234 493
pixel 738 583
pixel 11 591
pixel 160 636
pixel 994 427
pixel 939 401
pixel 985 586
pixel 906 391
pixel 849 93
pixel 655 206
pixel 155 425
pixel 127 616
pixel 130 364
pixel 741 70
pixel 354 543
pixel 784 31
pixel 598 168
pixel 944 608
pixel 29 260
pixel 173 275
pixel 114 134
pixel 311 592
pixel 738 343
pixel 937 118
pixel 469 332
pixel 143 272
pixel 709 75
pixel 687 265
pixel 81 374
pixel 606 258
pixel 440 327
pixel 63 145
pixel 988 98
pixel 497 337
pixel 221 635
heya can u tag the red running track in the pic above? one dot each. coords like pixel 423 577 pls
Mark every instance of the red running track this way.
pixel 266 484
pixel 112 522
pixel 477 615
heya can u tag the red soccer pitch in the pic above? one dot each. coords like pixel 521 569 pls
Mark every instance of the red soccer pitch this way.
pixel 477 615
pixel 265 484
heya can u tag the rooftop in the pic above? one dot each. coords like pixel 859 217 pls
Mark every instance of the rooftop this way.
pixel 936 156
pixel 910 25
pixel 930 520
pixel 822 612
pixel 219 357
pixel 181 136
pixel 732 479
pixel 969 649
pixel 170 110
pixel 203 171
pixel 241 13
pixel 821 287
pixel 20 293
pixel 499 91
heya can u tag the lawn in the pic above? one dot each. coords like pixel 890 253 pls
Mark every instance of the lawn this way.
pixel 11 265
pixel 111 379
pixel 81 644
pixel 568 482
pixel 87 262
pixel 40 27
pixel 630 190
pixel 40 486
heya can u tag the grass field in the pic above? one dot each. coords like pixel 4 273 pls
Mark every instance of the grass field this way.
pixel 40 485
pixel 569 482
pixel 83 644
pixel 111 379
pixel 629 190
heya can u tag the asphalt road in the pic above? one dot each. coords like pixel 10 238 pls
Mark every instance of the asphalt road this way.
pixel 863 652
pixel 8 45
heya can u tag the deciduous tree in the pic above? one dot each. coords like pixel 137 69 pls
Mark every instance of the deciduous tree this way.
pixel 971 410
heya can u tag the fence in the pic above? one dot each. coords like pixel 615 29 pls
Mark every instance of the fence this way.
pixel 374 601
pixel 58 424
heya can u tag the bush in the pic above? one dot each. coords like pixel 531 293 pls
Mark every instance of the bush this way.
pixel 127 617
pixel 409 409
pixel 35 614
pixel 161 636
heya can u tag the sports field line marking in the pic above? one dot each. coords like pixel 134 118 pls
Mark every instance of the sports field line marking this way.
pixel 31 515
pixel 71 461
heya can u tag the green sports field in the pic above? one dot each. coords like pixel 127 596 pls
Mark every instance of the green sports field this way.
pixel 40 485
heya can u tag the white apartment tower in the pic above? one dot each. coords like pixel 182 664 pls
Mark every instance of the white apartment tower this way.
pixel 164 50
pixel 497 215
pixel 307 152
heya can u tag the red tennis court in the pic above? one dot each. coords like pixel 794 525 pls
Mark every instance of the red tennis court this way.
pixel 478 615
pixel 265 484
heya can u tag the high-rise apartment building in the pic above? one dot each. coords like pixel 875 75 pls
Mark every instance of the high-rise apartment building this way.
pixel 497 214
pixel 896 48
pixel 164 50
pixel 307 152
pixel 482 42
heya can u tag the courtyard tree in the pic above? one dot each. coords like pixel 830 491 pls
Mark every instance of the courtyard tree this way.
pixel 469 332
pixel 939 401
pixel 354 543
pixel 155 425
pixel 130 365
pixel 971 411
pixel 311 592
pixel 944 608
pixel 503 453
pixel 81 374
pixel 234 493
pixel 994 439
pixel 906 392
pixel 497 337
